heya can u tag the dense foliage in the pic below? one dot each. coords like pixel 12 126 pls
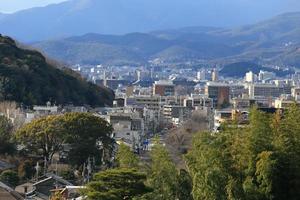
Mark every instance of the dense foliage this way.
pixel 116 184
pixel 6 136
pixel 82 131
pixel 126 158
pixel 260 161
pixel 257 161
pixel 9 177
pixel 26 77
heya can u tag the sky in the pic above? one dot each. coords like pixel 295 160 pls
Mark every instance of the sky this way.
pixel 10 6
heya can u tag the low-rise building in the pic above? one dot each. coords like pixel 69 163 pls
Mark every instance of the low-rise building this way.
pixel 267 90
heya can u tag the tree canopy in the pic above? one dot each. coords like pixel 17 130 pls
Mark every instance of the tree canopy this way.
pixel 258 161
pixel 86 134
pixel 6 136
pixel 126 158
pixel 116 184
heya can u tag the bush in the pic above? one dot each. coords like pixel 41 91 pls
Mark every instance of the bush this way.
pixel 10 177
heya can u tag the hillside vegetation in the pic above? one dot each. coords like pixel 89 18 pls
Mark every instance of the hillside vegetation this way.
pixel 27 78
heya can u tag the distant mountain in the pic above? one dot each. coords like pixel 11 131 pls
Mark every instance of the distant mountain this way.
pixel 79 17
pixel 26 77
pixel 239 69
pixel 275 41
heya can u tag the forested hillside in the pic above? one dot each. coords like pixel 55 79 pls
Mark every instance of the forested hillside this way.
pixel 26 77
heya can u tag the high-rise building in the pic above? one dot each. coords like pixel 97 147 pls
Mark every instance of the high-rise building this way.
pixel 214 75
pixel 138 74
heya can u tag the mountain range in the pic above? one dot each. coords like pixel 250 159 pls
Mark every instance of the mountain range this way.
pixel 273 41
pixel 78 17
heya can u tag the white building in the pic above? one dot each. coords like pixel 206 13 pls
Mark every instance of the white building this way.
pixel 128 126
pixel 264 75
pixel 201 75
pixel 250 77
pixel 267 90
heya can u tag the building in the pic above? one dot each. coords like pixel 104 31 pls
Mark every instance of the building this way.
pixel 237 90
pixel 227 115
pixel 218 92
pixel 128 127
pixel 285 102
pixel 163 88
pixel 201 75
pixel 181 113
pixel 267 90
pixel 45 110
pixel 282 103
pixel 41 188
pixel 214 75
pixel 250 77
pixel 264 75
pixel 69 192
pixel 199 101
pixel 296 93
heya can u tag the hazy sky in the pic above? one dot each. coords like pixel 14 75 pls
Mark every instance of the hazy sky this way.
pixel 9 6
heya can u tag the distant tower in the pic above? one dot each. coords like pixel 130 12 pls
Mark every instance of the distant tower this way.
pixel 138 75
pixel 214 75
pixel 151 72
pixel 104 78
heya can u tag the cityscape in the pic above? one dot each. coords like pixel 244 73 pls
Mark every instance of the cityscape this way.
pixel 159 112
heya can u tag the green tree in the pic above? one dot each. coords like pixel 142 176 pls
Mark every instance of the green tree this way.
pixel 163 174
pixel 44 136
pixel 88 135
pixel 208 164
pixel 185 186
pixel 259 136
pixel 287 146
pixel 9 177
pixel 116 184
pixel 259 161
pixel 6 136
pixel 68 175
pixel 268 174
pixel 126 158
